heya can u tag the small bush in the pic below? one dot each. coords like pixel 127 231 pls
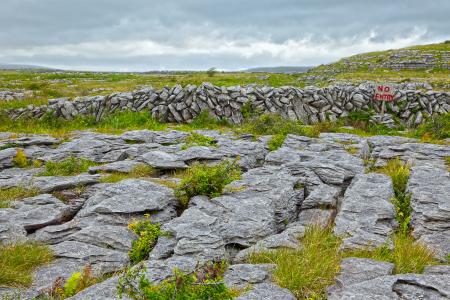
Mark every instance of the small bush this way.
pixel 306 272
pixel 196 139
pixel 148 234
pixel 68 167
pixel 21 160
pixel 15 193
pixel 201 179
pixel 204 284
pixel 18 262
pixel 79 281
pixel 140 171
pixel 408 255
pixel 211 72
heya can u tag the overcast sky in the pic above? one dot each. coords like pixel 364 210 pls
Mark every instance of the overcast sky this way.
pixel 138 35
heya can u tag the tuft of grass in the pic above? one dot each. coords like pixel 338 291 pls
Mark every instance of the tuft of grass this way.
pixel 447 162
pixel 435 128
pixel 196 139
pixel 408 255
pixel 276 142
pixel 308 271
pixel 148 234
pixel 15 193
pixel 140 171
pixel 352 150
pixel 18 262
pixel 399 173
pixel 201 179
pixel 68 167
pixel 20 159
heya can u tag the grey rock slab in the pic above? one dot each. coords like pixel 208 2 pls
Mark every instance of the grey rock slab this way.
pixel 366 216
pixel 124 166
pixel 31 140
pixel 106 290
pixel 355 270
pixel 48 184
pixel 430 202
pixel 96 147
pixel 406 286
pixel 264 291
pixel 106 260
pixel 106 236
pixel 241 276
pixel 10 231
pixel 159 270
pixel 15 177
pixel 6 158
pixel 322 195
pixel 128 197
pixel 437 270
pixel 316 216
pixel 40 211
pixel 163 160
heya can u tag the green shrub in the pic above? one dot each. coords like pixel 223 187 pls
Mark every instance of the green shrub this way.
pixel 148 234
pixel 140 171
pixel 15 193
pixel 68 167
pixel 204 284
pixel 18 261
pixel 201 179
pixel 308 271
pixel 408 255
pixel 79 281
pixel 196 139
pixel 273 124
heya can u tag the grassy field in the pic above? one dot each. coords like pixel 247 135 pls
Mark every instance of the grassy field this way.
pixel 48 85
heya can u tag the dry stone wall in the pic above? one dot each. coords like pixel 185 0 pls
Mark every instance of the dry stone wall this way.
pixel 310 105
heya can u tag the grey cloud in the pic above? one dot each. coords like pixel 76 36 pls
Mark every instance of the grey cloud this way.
pixel 32 29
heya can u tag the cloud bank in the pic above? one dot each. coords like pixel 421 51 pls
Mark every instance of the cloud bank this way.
pixel 138 35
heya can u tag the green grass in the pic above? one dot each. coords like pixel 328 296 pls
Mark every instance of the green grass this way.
pixel 15 193
pixel 68 167
pixel 196 139
pixel 140 171
pixel 18 262
pixel 276 142
pixel 201 179
pixel 399 173
pixel 408 255
pixel 308 271
pixel 205 283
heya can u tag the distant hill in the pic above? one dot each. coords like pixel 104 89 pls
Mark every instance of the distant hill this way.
pixel 422 57
pixel 278 70
pixel 22 67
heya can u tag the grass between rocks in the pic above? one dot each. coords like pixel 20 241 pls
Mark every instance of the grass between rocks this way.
pixel 68 167
pixel 15 193
pixel 140 171
pixel 399 173
pixel 306 272
pixel 435 130
pixel 201 179
pixel 205 283
pixel 18 261
pixel 408 255
pixel 196 139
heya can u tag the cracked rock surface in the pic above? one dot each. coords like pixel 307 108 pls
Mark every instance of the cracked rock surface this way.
pixel 306 181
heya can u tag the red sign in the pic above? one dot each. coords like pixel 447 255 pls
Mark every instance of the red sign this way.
pixel 384 93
